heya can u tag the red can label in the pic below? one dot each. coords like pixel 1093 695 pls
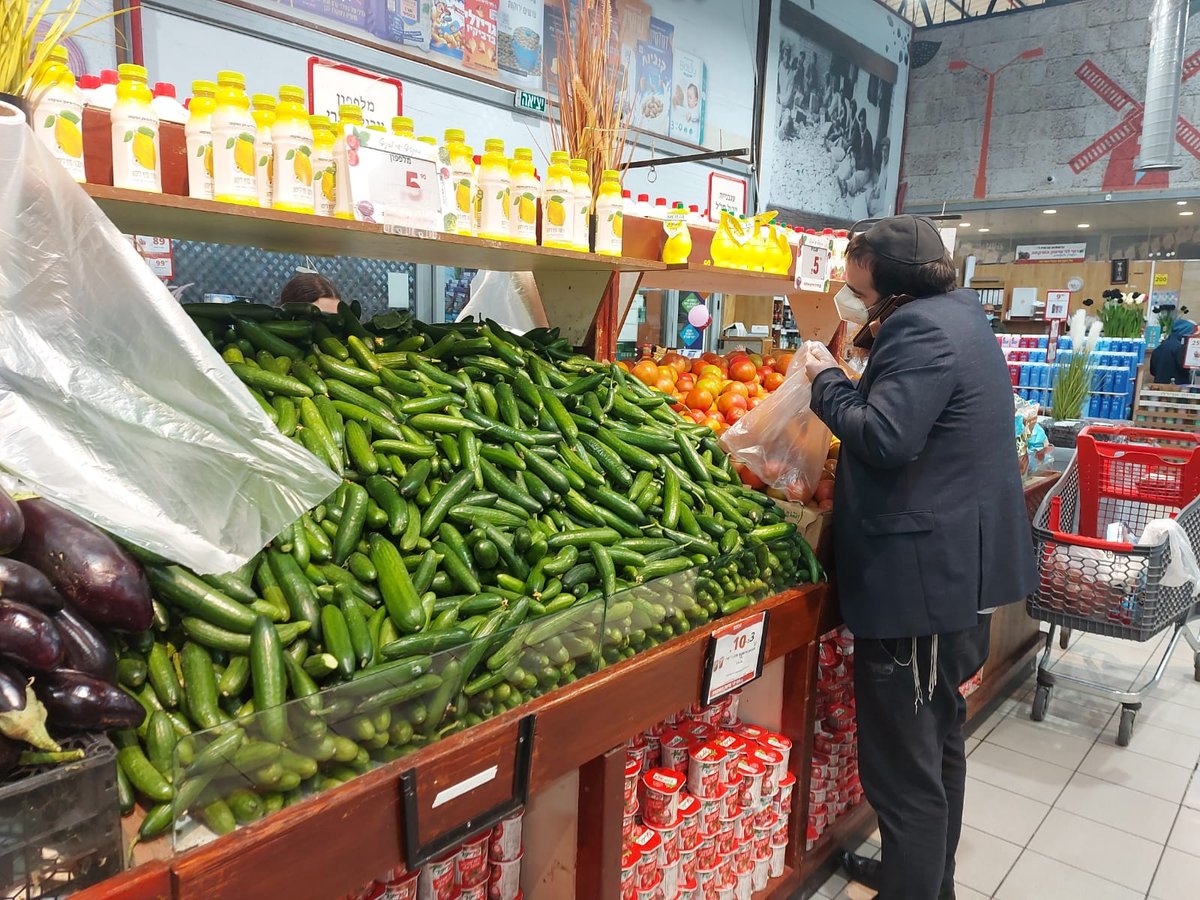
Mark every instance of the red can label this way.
pixel 506 839
pixel 646 842
pixel 706 770
pixel 473 861
pixel 668 847
pixel 474 892
pixel 687 865
pixel 706 853
pixel 505 881
pixel 725 839
pixel 675 748
pixel 437 877
pixel 660 796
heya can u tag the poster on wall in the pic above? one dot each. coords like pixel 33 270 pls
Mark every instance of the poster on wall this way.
pixel 688 98
pixel 832 129
pixel 479 49
pixel 652 79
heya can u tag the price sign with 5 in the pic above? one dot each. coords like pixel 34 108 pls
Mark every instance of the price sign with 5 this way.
pixel 812 269
pixel 395 181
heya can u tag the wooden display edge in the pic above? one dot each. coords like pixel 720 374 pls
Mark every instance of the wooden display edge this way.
pixel 340 839
pixel 708 279
pixel 172 216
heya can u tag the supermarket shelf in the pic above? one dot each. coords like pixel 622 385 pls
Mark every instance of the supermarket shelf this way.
pixel 338 840
pixel 714 279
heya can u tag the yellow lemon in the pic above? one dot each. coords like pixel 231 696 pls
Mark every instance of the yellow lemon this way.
pixel 556 212
pixel 617 223
pixel 208 159
pixel 462 196
pixel 302 166
pixel 243 156
pixel 69 137
pixel 527 209
pixel 327 185
pixel 143 151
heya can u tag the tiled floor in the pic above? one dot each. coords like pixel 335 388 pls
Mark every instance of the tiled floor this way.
pixel 1056 810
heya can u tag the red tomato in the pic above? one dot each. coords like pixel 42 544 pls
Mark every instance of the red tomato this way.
pixel 742 370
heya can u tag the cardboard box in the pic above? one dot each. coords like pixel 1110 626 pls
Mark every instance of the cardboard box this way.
pixel 815 525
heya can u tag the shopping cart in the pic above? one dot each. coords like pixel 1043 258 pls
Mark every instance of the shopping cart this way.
pixel 1114 588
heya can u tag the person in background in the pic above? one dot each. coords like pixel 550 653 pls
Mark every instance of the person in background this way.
pixel 880 199
pixel 931 535
pixel 309 287
pixel 1166 362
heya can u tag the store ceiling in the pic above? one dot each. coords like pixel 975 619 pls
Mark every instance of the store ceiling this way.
pixel 1151 216
pixel 940 12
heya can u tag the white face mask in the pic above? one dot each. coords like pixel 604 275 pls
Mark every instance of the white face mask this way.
pixel 850 307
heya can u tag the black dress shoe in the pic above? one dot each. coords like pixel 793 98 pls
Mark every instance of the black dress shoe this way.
pixel 861 869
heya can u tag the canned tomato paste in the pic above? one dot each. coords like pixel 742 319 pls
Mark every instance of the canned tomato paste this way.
pixel 660 796
pixel 706 770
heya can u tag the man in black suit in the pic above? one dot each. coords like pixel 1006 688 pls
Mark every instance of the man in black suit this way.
pixel 931 534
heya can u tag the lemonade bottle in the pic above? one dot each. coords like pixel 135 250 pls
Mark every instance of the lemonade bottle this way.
pixel 263 113
pixel 678 246
pixel 234 175
pixel 610 214
pixel 58 112
pixel 558 203
pixel 461 161
pixel 324 173
pixel 345 154
pixel 292 139
pixel 402 126
pixel 135 133
pixel 198 132
pixel 723 249
pixel 581 179
pixel 522 215
pixel 495 188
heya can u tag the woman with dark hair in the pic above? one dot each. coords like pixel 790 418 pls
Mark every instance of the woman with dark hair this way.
pixel 309 287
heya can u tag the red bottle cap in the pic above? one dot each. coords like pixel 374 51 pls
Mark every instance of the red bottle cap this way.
pixel 625 195
pixel 643 198
pixel 164 89
pixel 108 76
pixel 660 201
pixel 89 82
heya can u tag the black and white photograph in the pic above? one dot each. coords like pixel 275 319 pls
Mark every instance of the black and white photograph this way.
pixel 835 139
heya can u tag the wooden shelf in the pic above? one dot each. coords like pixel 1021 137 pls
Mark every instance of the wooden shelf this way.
pixel 337 841
pixel 717 280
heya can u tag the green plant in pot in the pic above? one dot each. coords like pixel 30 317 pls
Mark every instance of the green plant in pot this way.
pixel 1123 315
pixel 1073 381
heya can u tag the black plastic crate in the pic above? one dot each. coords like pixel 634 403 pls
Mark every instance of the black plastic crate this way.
pixel 60 826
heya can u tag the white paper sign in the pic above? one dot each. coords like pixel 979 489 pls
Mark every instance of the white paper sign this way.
pixel 1058 305
pixel 812 268
pixel 394 181
pixel 725 193
pixel 157 253
pixel 1191 353
pixel 735 656
pixel 331 84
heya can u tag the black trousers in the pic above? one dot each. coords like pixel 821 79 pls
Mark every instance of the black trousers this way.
pixel 911 756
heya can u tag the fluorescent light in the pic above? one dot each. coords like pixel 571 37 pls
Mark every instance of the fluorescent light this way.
pixel 1186 212
pixel 1049 212
pixel 964 224
pixel 1181 203
pixel 984 230
pixel 1083 225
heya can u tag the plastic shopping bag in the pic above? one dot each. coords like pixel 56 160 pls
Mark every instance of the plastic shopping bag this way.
pixel 510 298
pixel 112 403
pixel 1182 566
pixel 781 440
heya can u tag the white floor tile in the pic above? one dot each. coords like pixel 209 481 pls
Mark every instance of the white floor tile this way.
pixel 1076 714
pixel 1002 813
pixel 1110 804
pixel 1178 876
pixel 1099 667
pixel 1008 706
pixel 983 860
pixel 1171 716
pixel 1102 850
pixel 972 743
pixel 1043 743
pixel 1191 799
pixel 834 886
pixel 962 892
pixel 1129 768
pixel 1013 771
pixel 1158 743
pixel 1185 835
pixel 1035 875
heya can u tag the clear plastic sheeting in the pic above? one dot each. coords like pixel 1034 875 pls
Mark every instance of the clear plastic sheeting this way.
pixel 111 401
pixel 509 298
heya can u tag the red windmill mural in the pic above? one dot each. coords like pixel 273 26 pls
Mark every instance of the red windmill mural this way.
pixel 1120 144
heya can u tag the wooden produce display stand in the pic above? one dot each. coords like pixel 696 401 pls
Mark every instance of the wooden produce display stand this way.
pixel 336 842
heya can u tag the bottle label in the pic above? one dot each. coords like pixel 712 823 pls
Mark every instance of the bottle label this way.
pixel 135 148
pixel 583 221
pixel 495 190
pixel 294 170
pixel 234 157
pixel 264 162
pixel 558 217
pixel 58 119
pixel 462 194
pixel 200 159
pixel 675 222
pixel 324 182
pixel 523 213
pixel 610 220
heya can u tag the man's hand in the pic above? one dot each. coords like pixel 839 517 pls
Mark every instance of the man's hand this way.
pixel 819 359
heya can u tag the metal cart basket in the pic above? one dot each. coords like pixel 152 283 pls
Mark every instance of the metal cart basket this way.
pixel 1114 588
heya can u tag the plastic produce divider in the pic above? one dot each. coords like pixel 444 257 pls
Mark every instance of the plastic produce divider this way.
pixel 445 803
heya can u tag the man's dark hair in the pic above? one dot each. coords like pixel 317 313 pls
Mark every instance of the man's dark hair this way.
pixel 308 287
pixel 892 278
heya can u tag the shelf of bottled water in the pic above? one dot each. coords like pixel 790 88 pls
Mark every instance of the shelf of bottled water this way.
pixel 1114 364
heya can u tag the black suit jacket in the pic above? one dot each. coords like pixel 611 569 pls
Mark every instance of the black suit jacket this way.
pixel 930 526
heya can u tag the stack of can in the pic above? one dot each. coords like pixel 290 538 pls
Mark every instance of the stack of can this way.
pixel 708 803
pixel 834 787
pixel 486 866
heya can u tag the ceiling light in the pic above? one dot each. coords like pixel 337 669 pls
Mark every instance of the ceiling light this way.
pixel 1084 225
pixel 1181 203
pixel 1186 212
pixel 984 230
pixel 1049 212
pixel 964 224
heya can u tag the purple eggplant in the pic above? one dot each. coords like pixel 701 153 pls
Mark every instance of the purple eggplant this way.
pixel 27 585
pixel 10 754
pixel 76 701
pixel 84 648
pixel 12 524
pixel 86 567
pixel 28 637
pixel 12 689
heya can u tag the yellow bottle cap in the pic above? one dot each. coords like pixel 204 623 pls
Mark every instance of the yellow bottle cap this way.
pixel 612 175
pixel 203 88
pixel 376 128
pixel 320 122
pixel 560 158
pixel 262 101
pixel 402 123
pixel 524 154
pixel 58 54
pixel 493 145
pixel 455 135
pixel 426 139
pixel 350 111
pixel 129 70
pixel 579 165
pixel 291 93
pixel 237 79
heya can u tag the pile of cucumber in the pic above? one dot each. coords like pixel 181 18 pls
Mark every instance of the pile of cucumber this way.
pixel 512 516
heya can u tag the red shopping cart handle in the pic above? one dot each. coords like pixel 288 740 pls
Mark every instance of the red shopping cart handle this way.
pixel 1080 540
pixel 1128 431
